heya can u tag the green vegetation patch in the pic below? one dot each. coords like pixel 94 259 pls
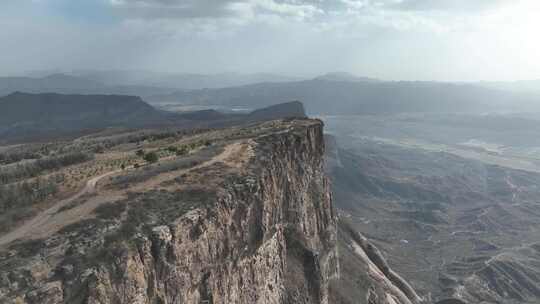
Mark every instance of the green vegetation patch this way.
pixel 18 200
pixel 151 157
pixel 146 173
pixel 30 169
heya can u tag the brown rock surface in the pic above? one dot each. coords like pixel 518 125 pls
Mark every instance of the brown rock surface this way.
pixel 264 231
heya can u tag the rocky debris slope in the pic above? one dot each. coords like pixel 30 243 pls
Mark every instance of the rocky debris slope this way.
pixel 365 276
pixel 257 227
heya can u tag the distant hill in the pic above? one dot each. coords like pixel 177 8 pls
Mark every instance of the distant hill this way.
pixel 21 108
pixel 288 109
pixel 531 86
pixel 67 84
pixel 49 83
pixel 183 81
pixel 343 76
pixel 203 115
pixel 322 96
pixel 201 81
pixel 27 117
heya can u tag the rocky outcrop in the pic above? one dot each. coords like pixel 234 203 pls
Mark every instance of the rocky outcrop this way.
pixel 366 277
pixel 267 236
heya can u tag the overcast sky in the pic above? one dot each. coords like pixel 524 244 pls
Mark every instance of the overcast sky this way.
pixel 389 39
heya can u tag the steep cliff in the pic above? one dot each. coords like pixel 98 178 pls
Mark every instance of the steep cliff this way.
pixel 252 224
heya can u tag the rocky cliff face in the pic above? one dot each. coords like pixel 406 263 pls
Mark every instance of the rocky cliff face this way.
pixel 260 229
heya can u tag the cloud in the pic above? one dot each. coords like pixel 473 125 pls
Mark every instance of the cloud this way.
pixel 397 39
pixel 214 9
pixel 463 6
pixel 173 8
pixel 364 16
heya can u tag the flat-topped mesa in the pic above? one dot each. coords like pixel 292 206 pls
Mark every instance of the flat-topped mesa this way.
pixel 253 224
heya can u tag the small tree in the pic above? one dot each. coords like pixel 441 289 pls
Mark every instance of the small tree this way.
pixel 151 157
pixel 140 153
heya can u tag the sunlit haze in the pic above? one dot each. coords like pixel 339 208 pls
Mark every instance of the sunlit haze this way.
pixel 445 40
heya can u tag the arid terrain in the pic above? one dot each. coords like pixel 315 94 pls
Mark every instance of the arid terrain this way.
pixel 456 221
pixel 269 152
pixel 167 216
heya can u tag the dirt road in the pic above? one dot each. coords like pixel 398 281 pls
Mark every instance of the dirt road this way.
pixel 50 220
pixel 44 216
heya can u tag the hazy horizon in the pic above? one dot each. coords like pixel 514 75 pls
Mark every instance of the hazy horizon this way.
pixel 292 77
pixel 445 40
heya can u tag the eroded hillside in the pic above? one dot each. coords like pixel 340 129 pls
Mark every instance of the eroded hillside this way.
pixel 459 230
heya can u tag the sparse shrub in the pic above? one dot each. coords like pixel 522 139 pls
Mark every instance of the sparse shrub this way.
pixel 151 171
pixel 35 168
pixel 28 248
pixel 13 157
pixel 110 211
pixel 151 157
pixel 182 151
pixel 84 227
pixel 157 207
pixel 26 193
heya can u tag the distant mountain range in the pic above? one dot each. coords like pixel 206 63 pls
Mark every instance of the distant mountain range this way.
pixel 344 76
pixel 184 81
pixel 341 94
pixel 331 93
pixel 66 84
pixel 515 86
pixel 200 81
pixel 138 83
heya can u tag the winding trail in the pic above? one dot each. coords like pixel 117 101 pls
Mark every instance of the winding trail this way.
pixel 44 216
pixel 49 221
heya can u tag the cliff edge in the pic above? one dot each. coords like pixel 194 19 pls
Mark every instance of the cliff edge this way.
pixel 248 221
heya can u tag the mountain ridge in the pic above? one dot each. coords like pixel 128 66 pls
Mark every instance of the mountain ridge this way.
pixel 361 97
pixel 27 116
